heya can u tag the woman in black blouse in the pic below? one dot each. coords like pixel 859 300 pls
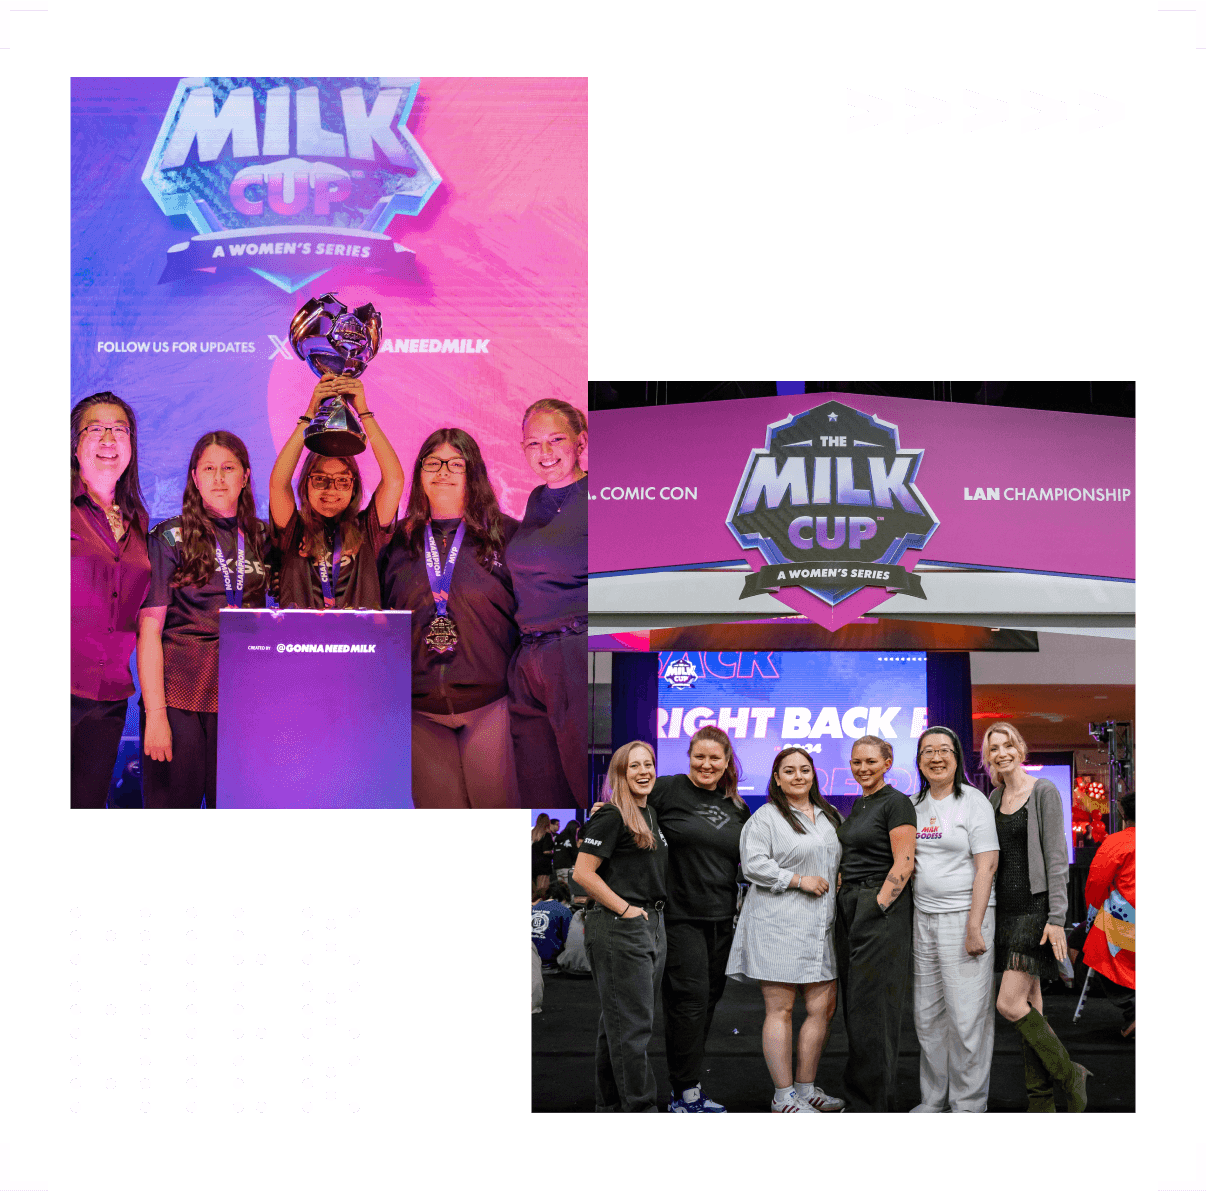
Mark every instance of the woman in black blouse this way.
pixel 874 922
pixel 543 844
pixel 547 561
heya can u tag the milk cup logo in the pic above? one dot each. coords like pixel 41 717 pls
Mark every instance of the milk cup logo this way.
pixel 681 674
pixel 286 176
pixel 831 502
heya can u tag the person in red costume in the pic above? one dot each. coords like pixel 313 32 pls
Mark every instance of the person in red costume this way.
pixel 1110 896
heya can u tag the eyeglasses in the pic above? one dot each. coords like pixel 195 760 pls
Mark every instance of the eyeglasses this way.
pixel 432 465
pixel 944 751
pixel 96 430
pixel 339 483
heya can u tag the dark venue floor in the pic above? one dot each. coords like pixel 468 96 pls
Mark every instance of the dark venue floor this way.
pixel 563 1048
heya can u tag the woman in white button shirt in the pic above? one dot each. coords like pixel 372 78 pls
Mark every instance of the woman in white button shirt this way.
pixel 790 854
pixel 952 929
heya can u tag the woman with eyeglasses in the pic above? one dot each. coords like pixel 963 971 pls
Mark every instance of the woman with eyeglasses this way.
pixel 328 545
pixel 953 919
pixel 547 561
pixel 110 571
pixel 446 565
pixel 209 557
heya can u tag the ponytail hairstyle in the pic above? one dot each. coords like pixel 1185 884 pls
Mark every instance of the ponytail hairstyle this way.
pixel 778 798
pixel 621 795
pixel 198 538
pixel 881 746
pixel 128 493
pixel 483 517
pixel 542 828
pixel 313 543
pixel 732 774
pixel 573 417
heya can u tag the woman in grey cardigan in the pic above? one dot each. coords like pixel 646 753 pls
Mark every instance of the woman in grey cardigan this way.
pixel 1032 900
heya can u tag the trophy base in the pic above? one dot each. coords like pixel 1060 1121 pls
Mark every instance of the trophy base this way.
pixel 336 443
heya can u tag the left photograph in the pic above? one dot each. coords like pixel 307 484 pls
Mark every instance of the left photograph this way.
pixel 329 446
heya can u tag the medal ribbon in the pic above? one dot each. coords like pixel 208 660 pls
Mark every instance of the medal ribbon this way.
pixel 330 581
pixel 234 592
pixel 441 580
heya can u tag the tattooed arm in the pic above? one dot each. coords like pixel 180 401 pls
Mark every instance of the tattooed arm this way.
pixel 903 840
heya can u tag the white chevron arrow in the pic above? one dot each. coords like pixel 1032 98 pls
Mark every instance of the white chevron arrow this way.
pixel 1047 111
pixel 878 111
pixel 1110 111
pixel 934 111
pixel 991 111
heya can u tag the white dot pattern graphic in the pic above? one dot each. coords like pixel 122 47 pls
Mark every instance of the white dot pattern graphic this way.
pixel 157 1084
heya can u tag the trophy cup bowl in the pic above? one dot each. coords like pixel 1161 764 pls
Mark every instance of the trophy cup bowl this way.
pixel 335 341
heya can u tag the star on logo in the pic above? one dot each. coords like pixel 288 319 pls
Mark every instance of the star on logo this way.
pixel 833 417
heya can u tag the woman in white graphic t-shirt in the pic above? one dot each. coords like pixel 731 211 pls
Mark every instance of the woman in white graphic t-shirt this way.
pixel 952 929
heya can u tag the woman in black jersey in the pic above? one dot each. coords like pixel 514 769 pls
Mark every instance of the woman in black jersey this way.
pixel 875 923
pixel 205 559
pixel 547 561
pixel 445 564
pixel 701 815
pixel 622 867
pixel 543 844
pixel 327 545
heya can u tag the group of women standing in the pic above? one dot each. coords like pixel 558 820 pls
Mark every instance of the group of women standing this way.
pixel 948 885
pixel 498 641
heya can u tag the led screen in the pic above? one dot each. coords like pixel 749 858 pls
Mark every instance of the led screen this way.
pixel 824 701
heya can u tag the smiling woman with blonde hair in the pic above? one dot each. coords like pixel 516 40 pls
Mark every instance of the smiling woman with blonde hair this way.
pixel 1032 901
pixel 622 867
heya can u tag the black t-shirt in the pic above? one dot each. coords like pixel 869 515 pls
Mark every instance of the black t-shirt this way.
pixel 636 875
pixel 542 856
pixel 547 558
pixel 358 585
pixel 482 603
pixel 566 850
pixel 866 848
pixel 190 630
pixel 704 831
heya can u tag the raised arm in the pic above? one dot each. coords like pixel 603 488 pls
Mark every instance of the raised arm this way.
pixel 389 491
pixel 157 737
pixel 280 482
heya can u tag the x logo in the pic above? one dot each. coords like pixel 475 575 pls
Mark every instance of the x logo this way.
pixel 280 348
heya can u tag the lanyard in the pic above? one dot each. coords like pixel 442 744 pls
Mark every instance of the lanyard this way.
pixel 441 580
pixel 331 581
pixel 234 593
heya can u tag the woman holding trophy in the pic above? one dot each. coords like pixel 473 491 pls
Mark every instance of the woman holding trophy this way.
pixel 445 564
pixel 547 561
pixel 328 544
pixel 205 559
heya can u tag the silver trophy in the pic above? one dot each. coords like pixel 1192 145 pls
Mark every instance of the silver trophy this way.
pixel 335 341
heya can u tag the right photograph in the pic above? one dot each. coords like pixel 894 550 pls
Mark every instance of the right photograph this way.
pixel 860 834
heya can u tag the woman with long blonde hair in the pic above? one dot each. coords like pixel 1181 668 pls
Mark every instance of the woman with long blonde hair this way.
pixel 1032 900
pixel 622 867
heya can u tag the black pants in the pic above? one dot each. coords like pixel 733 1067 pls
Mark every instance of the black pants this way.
pixel 626 957
pixel 192 773
pixel 1120 996
pixel 96 726
pixel 547 690
pixel 874 958
pixel 697 952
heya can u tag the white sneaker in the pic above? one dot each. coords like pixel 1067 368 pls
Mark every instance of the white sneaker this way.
pixel 821 1101
pixel 792 1104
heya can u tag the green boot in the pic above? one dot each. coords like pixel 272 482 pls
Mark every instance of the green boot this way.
pixel 1050 1052
pixel 1040 1091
